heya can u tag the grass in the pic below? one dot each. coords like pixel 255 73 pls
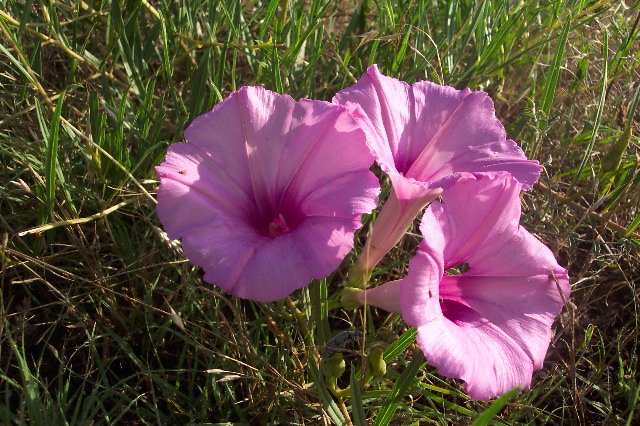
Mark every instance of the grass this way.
pixel 102 319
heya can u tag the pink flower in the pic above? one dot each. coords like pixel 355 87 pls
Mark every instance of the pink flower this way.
pixel 423 136
pixel 267 192
pixel 491 324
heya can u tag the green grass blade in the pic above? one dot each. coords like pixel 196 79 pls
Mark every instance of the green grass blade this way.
pixel 489 55
pixel 264 26
pixel 357 407
pixel 400 345
pixel 198 87
pixel 397 60
pixel 35 407
pixel 400 388
pixel 487 415
pixel 128 47
pixel 24 17
pixel 16 62
pixel 633 225
pixel 601 104
pixel 612 159
pixel 278 86
pixel 318 294
pixel 325 396
pixel 632 409
pixel 621 182
pixel 480 12
pixel 51 160
pixel 623 50
pixel 551 84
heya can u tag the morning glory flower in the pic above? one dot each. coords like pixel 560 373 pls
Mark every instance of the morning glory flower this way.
pixel 423 135
pixel 267 192
pixel 488 323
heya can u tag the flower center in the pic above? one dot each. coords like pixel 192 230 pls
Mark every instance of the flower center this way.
pixel 278 226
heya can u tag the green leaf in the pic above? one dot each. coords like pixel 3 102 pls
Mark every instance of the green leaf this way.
pixel 51 159
pixel 318 294
pixel 397 60
pixel 551 84
pixel 400 388
pixel 357 408
pixel 400 345
pixel 325 396
pixel 601 103
pixel 485 417
pixel 612 159
pixel 199 86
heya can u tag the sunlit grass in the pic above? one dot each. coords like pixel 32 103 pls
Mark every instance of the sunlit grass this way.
pixel 102 321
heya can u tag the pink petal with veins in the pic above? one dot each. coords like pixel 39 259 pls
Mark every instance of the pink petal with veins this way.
pixel 267 192
pixel 490 324
pixel 429 135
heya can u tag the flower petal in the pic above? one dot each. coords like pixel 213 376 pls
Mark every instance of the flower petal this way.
pixel 523 307
pixel 267 192
pixel 490 325
pixel 455 339
pixel 221 249
pixel 457 131
pixel 347 195
pixel 219 134
pixel 481 354
pixel 460 342
pixel 388 106
pixel 265 269
pixel 325 240
pixel 428 136
pixel 419 291
pixel 491 157
pixel 405 202
pixel 191 195
pixel 480 210
pixel 271 269
pixel 386 296
pixel 430 132
pixel 326 162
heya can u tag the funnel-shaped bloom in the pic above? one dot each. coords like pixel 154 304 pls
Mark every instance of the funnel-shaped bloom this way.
pixel 423 136
pixel 267 192
pixel 489 325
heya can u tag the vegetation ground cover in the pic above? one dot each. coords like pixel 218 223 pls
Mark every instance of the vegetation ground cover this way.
pixel 102 320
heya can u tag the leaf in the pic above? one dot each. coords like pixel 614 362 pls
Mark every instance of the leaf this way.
pixel 318 294
pixel 551 84
pixel 601 102
pixel 325 396
pixel 612 159
pixel 51 159
pixel 400 345
pixel 357 408
pixel 400 388
pixel 485 417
